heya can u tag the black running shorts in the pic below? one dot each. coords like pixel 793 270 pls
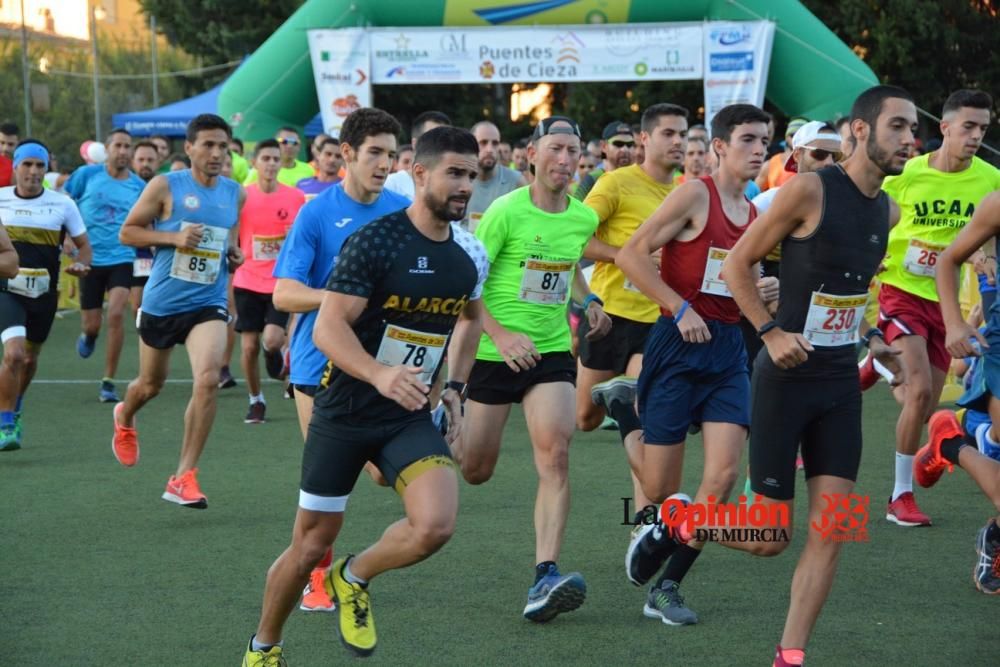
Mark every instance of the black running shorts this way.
pixel 100 280
pixel 255 310
pixel 169 330
pixel 35 315
pixel 612 353
pixel 494 383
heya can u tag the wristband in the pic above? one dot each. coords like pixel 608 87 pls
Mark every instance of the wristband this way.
pixel 768 326
pixel 681 311
pixel 874 332
pixel 591 298
pixel 461 388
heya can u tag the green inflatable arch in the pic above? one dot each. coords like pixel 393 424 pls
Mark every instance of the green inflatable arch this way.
pixel 812 74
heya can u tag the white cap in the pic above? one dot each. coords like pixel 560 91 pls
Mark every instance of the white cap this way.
pixel 807 135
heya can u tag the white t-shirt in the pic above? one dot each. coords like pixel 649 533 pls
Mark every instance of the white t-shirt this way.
pixel 762 202
pixel 401 183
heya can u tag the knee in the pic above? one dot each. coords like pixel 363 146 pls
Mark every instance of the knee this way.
pixel 552 459
pixel 15 356
pixel 588 419
pixel 116 318
pixel 478 472
pixel 918 392
pixel 207 380
pixel 432 534
pixel 769 549
pixel 273 342
pixel 719 483
pixel 655 490
pixel 148 388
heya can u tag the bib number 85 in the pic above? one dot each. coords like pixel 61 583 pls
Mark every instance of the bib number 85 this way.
pixel 197 264
pixel 839 319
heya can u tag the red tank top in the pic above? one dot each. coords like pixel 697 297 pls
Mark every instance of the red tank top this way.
pixel 682 265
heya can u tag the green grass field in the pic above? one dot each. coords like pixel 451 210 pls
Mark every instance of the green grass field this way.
pixel 95 569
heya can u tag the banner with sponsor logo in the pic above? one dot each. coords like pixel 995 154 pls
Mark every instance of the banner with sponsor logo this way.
pixel 737 58
pixel 340 60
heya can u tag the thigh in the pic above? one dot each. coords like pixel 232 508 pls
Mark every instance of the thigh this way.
pixel 548 411
pixel 274 336
pixel 723 444
pixel 332 459
pixel 93 286
pixel 777 422
pixel 914 357
pixel 154 364
pixel 493 383
pixel 634 366
pixel 482 432
pixel 606 354
pixel 431 496
pixel 206 346
pixel 251 310
pixel 275 317
pixel 118 299
pixel 410 450
pixel 13 317
pixel 831 443
pixel 41 313
pixel 119 275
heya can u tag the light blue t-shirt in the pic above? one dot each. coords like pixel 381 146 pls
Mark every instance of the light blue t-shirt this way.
pixel 104 203
pixel 308 256
pixel 197 278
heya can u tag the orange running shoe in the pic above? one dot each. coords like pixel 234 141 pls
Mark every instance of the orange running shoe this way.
pixel 125 443
pixel 903 511
pixel 184 491
pixel 928 464
pixel 315 597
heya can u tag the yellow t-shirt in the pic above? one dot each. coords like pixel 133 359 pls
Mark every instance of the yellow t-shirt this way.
pixel 934 206
pixel 623 199
pixel 286 175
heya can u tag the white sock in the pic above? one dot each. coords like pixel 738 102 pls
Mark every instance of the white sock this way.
pixel 257 646
pixel 904 475
pixel 259 398
pixel 351 577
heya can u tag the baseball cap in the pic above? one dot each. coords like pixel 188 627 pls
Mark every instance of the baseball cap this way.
pixel 807 135
pixel 614 128
pixel 544 127
pixel 794 125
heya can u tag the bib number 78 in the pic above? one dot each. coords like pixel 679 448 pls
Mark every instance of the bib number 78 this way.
pixel 415 355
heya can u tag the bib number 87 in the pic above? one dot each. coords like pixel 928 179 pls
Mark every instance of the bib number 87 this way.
pixel 415 354
pixel 839 319
pixel 198 264
pixel 550 281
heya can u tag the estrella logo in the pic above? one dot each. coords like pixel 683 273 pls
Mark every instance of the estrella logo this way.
pixel 398 70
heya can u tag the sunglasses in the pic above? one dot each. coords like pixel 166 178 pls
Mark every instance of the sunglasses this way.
pixel 288 142
pixel 622 144
pixel 819 154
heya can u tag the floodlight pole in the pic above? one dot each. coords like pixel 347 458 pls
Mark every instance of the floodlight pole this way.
pixel 25 74
pixel 156 79
pixel 97 91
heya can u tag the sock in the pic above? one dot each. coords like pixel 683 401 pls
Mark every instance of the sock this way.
pixel 351 577
pixel 327 559
pixel 108 380
pixel 542 569
pixel 225 370
pixel 904 475
pixel 17 404
pixel 7 418
pixel 257 646
pixel 993 532
pixel 950 448
pixel 625 415
pixel 792 656
pixel 679 564
pixel 259 398
pixel 90 339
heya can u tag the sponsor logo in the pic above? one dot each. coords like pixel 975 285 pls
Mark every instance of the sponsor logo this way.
pixel 844 518
pixel 345 106
pixel 399 70
pixel 641 69
pixel 422 266
pixel 740 61
pixel 191 202
pixel 730 36
pixel 487 69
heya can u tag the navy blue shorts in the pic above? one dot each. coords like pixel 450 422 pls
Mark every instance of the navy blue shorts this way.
pixel 985 380
pixel 684 383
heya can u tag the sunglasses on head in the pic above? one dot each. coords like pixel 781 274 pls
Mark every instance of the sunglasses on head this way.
pixel 288 142
pixel 618 143
pixel 819 154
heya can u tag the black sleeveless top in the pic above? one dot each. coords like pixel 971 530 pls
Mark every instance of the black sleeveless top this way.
pixel 839 258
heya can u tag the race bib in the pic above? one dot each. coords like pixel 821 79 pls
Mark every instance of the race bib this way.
pixel 474 219
pixel 544 282
pixel 832 321
pixel 200 265
pixel 712 283
pixel 921 258
pixel 142 267
pixel 407 347
pixel 267 247
pixel 31 283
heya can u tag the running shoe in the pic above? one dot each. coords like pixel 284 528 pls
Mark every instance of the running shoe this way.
pixel 797 656
pixel 10 439
pixel 608 424
pixel 269 658
pixel 184 491
pixel 928 464
pixel 357 625
pixel 619 389
pixel 274 363
pixel 256 413
pixel 108 393
pixel 315 597
pixel 555 594
pixel 650 547
pixel 903 511
pixel 85 345
pixel 226 379
pixel 125 443
pixel 986 573
pixel 667 604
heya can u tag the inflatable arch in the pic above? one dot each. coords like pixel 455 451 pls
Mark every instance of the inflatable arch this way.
pixel 812 74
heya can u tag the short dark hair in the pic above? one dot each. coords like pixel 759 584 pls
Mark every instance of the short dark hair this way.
pixel 368 122
pixel 178 157
pixel 10 128
pixel 117 130
pixel 237 140
pixel 161 136
pixel 733 115
pixel 841 122
pixel 967 97
pixel 327 142
pixel 145 143
pixel 417 126
pixel 405 147
pixel 288 128
pixel 207 121
pixel 266 143
pixel 522 143
pixel 445 139
pixel 868 104
pixel 651 116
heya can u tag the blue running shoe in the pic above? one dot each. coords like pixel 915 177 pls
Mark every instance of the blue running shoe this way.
pixel 554 594
pixel 85 346
pixel 10 438
pixel 108 393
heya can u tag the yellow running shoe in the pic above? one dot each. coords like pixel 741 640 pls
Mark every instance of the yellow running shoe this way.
pixel 357 626
pixel 270 658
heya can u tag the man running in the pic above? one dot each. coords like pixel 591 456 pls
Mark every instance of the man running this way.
pixel 292 169
pixel 494 180
pixel 35 218
pixel 190 216
pixel 618 150
pixel 368 141
pixel 936 194
pixel 401 182
pixel 105 194
pixel 694 370
pixel 145 161
pixel 267 215
pixel 402 284
pixel 329 161
pixel 534 238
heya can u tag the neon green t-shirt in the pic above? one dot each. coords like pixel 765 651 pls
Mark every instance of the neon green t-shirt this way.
pixel 533 256
pixel 934 207
pixel 287 176
pixel 241 168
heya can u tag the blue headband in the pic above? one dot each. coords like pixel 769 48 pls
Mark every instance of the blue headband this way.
pixel 26 151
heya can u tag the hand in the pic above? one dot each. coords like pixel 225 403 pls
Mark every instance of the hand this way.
pixel 235 256
pixel 986 265
pixel 882 266
pixel 693 329
pixel 402 384
pixel 69 248
pixel 600 323
pixel 768 288
pixel 889 357
pixel 189 237
pixel 77 269
pixel 957 340
pixel 787 350
pixel 453 406
pixel 517 350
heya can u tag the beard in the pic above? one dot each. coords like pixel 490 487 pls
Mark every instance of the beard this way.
pixel 444 209
pixel 882 158
pixel 487 163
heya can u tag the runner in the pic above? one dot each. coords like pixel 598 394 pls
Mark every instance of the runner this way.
pixel 694 370
pixel 35 218
pixel 617 150
pixel 268 213
pixel 329 162
pixel 534 238
pixel 105 194
pixel 401 182
pixel 190 216
pixel 494 180
pixel 384 323
pixel 292 169
pixel 936 194
pixel 145 161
